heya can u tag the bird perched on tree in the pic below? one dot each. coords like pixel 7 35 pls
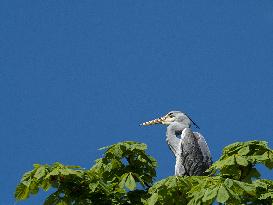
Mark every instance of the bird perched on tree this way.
pixel 192 154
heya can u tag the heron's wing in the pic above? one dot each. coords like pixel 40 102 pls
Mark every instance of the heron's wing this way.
pixel 193 155
pixel 188 154
pixel 204 148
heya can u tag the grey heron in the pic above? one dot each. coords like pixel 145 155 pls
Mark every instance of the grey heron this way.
pixel 192 154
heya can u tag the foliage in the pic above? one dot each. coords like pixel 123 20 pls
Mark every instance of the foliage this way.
pixel 238 160
pixel 125 175
pixel 112 180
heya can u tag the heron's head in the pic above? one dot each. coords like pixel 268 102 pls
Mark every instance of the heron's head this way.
pixel 173 116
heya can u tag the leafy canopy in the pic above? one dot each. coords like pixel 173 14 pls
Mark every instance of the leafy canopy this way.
pixel 125 175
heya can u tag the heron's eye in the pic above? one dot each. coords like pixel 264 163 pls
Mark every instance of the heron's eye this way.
pixel 171 114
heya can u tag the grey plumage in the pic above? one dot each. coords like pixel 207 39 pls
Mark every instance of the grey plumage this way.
pixel 190 148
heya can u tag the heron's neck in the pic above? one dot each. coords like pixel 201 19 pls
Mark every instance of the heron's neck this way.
pixel 176 128
pixel 173 130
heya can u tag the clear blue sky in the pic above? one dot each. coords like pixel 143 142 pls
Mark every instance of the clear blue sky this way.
pixel 79 75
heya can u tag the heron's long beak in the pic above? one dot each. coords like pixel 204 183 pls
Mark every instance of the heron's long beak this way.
pixel 162 120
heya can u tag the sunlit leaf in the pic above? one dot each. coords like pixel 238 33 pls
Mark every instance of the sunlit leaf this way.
pixel 41 171
pixel 116 178
pixel 244 151
pixel 153 199
pixel 210 194
pixel 249 188
pixel 222 195
pixel 268 195
pixel 241 161
pixel 130 182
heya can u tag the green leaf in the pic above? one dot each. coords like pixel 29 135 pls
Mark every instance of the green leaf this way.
pixel 248 188
pixel 261 158
pixel 36 166
pixel 139 179
pixel 53 198
pixel 229 161
pixel 26 176
pixel 130 182
pixel 241 161
pixel 266 195
pixel 33 188
pixel 45 184
pixel 62 202
pixel 123 180
pixel 27 182
pixel 253 173
pixel 105 147
pixel 260 184
pixel 153 199
pixel 54 172
pixel 228 183
pixel 93 186
pixel 244 151
pixel 22 192
pixel 113 180
pixel 104 186
pixel 64 172
pixel 41 171
pixel 222 195
pixel 210 194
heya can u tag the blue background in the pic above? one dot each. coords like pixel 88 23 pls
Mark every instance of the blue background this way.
pixel 79 75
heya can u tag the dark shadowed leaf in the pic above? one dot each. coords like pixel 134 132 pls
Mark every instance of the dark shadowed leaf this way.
pixel 22 192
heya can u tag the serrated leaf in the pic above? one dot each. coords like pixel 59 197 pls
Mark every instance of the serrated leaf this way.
pixel 210 194
pixel 139 179
pixel 41 171
pixel 75 172
pixel 22 192
pixel 234 193
pixel 54 172
pixel 266 195
pixel 153 199
pixel 123 180
pixel 103 185
pixel 33 188
pixel 228 183
pixel 244 151
pixel 130 182
pixel 241 161
pixel 36 166
pixel 66 171
pixel 222 195
pixel 27 182
pixel 260 184
pixel 45 185
pixel 248 188
pixel 171 182
pixel 26 176
pixel 229 161
pixel 93 186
